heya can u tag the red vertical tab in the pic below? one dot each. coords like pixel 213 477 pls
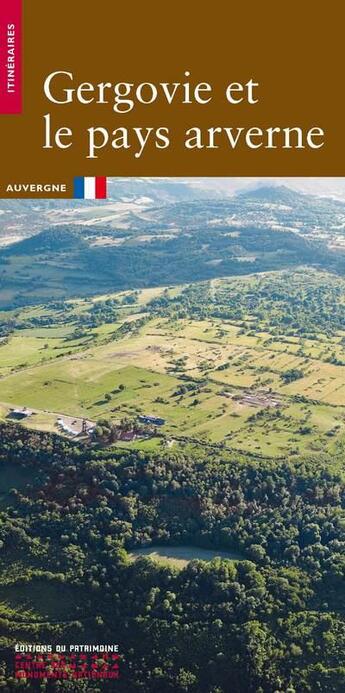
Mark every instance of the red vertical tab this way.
pixel 10 56
pixel 101 188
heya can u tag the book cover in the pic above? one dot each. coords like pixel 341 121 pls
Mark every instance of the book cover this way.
pixel 172 347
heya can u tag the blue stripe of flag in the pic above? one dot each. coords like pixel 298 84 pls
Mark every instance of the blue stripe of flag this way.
pixel 79 187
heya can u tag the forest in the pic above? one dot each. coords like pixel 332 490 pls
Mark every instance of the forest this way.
pixel 272 621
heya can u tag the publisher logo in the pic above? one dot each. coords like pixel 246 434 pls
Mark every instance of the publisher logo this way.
pixel 60 662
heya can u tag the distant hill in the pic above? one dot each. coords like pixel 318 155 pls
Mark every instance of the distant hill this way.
pixel 274 194
pixel 283 195
pixel 21 218
pixel 55 240
pixel 131 245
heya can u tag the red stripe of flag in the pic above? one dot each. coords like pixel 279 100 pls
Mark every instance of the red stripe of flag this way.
pixel 101 188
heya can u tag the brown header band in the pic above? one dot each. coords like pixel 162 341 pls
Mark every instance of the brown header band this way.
pixel 132 90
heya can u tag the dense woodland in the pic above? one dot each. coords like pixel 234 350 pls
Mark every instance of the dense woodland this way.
pixel 301 304
pixel 273 621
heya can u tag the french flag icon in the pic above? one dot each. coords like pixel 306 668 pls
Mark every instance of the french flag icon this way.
pixel 90 187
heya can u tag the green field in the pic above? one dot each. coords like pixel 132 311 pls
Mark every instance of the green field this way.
pixel 116 356
pixel 180 556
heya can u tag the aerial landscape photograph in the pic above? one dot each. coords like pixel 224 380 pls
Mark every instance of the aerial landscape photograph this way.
pixel 172 433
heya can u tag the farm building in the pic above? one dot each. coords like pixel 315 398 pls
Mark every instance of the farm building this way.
pixel 127 435
pixel 67 428
pixel 20 414
pixel 154 420
pixel 258 399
